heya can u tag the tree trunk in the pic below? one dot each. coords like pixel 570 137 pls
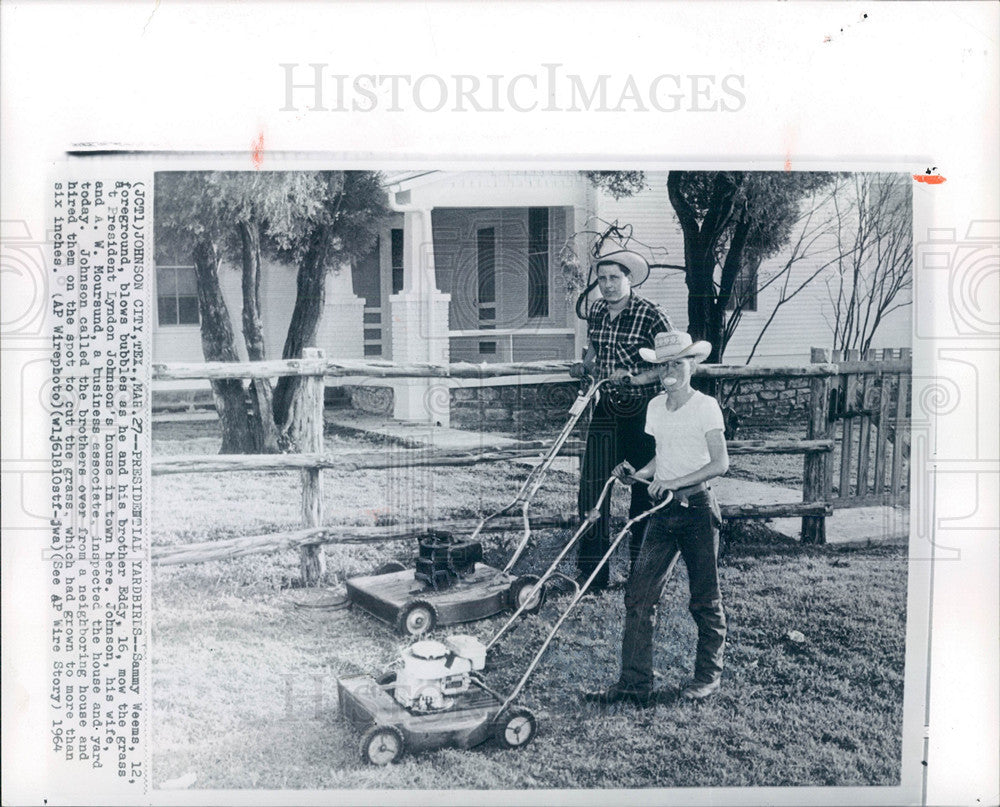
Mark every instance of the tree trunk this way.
pixel 701 236
pixel 715 333
pixel 701 297
pixel 701 308
pixel 310 299
pixel 264 430
pixel 731 268
pixel 218 344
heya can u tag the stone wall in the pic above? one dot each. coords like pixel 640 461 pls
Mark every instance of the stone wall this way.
pixel 537 408
pixel 540 407
pixel 757 402
pixel 767 401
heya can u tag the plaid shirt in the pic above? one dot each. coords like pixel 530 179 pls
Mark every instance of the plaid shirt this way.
pixel 617 341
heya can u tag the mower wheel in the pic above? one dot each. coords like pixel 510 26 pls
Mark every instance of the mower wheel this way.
pixel 519 592
pixel 382 745
pixel 416 618
pixel 515 728
pixel 389 568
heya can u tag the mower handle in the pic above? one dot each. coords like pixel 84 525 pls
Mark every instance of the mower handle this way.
pixel 582 590
pixel 534 480
pixel 592 516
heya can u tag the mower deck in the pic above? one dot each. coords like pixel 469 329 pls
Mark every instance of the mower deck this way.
pixel 476 596
pixel 467 723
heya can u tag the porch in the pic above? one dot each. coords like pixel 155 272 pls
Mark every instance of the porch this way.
pixel 466 269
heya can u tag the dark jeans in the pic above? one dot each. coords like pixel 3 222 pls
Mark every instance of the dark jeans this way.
pixel 617 432
pixel 694 532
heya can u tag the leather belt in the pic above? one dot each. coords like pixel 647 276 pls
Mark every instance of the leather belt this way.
pixel 682 495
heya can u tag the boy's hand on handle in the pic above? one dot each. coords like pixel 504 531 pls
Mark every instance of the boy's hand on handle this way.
pixel 623 472
pixel 626 473
pixel 658 489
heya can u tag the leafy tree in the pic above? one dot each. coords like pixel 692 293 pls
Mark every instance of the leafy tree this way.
pixel 316 220
pixel 342 228
pixel 618 183
pixel 191 219
pixel 731 221
pixel 261 206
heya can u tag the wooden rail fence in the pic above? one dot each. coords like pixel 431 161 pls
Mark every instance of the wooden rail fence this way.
pixel 869 420
pixel 830 383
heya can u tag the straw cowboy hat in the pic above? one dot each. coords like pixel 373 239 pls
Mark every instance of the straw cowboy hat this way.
pixel 670 345
pixel 633 263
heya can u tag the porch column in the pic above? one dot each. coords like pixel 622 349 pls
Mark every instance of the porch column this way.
pixel 419 318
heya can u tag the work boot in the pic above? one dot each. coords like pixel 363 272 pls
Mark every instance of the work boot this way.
pixel 617 693
pixel 699 690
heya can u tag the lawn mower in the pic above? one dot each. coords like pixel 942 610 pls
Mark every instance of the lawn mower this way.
pixel 436 696
pixel 450 583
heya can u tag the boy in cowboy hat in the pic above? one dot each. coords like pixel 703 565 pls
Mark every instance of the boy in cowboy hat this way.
pixel 619 326
pixel 690 450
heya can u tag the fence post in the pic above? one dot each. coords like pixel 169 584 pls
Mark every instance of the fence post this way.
pixel 312 558
pixel 817 477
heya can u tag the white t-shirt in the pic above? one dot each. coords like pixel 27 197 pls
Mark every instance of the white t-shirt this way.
pixel 681 447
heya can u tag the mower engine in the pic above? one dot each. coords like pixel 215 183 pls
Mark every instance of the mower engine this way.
pixel 443 559
pixel 432 671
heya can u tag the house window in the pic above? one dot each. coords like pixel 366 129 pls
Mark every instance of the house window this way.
pixel 176 295
pixel 487 317
pixel 396 259
pixel 744 290
pixel 486 253
pixel 538 261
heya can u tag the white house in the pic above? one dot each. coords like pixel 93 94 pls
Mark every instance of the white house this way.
pixel 467 269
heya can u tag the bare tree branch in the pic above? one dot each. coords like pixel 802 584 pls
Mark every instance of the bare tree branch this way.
pixel 875 240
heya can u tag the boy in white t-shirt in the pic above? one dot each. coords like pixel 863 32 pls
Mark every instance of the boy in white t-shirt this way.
pixel 690 451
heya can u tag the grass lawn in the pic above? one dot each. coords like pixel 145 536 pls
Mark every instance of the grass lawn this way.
pixel 245 682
